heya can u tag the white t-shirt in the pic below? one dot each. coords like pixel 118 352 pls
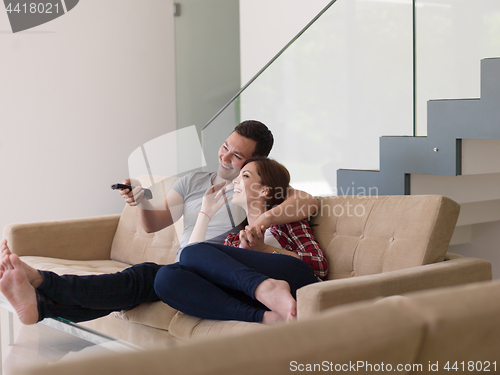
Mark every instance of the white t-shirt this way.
pixel 192 188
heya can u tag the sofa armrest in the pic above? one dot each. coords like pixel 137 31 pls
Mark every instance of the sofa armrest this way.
pixel 455 270
pixel 80 239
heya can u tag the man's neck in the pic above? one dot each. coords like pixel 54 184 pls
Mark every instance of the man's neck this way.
pixel 218 180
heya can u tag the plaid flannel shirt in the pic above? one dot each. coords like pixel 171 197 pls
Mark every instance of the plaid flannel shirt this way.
pixel 299 238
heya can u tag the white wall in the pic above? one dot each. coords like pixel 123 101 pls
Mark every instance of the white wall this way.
pixel 77 96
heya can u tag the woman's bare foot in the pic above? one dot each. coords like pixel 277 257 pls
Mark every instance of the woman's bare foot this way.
pixel 275 294
pixel 270 317
pixel 34 276
pixel 16 287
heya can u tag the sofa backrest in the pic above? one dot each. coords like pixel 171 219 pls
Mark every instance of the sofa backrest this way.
pixel 360 235
pixel 369 235
pixel 133 245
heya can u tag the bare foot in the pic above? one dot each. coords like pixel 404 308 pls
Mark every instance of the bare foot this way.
pixel 33 275
pixel 3 244
pixel 275 294
pixel 4 247
pixel 17 289
pixel 270 317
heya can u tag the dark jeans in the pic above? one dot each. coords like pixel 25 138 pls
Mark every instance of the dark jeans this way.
pixel 218 282
pixel 211 281
pixel 81 298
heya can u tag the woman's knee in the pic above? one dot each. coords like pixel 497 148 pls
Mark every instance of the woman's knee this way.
pixel 190 253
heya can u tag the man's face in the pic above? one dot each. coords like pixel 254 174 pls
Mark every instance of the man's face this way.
pixel 233 153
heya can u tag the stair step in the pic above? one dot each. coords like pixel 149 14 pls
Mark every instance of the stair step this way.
pixel 479 212
pixel 462 189
pixel 454 126
pixel 480 156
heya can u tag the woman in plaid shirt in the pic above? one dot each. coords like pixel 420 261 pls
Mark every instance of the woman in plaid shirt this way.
pixel 254 275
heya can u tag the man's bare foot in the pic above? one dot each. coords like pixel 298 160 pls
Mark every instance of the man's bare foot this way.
pixel 34 276
pixel 275 294
pixel 4 247
pixel 17 289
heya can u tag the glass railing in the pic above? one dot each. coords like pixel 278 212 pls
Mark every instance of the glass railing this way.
pixel 330 94
pixel 360 70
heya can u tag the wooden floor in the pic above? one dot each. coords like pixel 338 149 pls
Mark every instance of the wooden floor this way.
pixel 38 345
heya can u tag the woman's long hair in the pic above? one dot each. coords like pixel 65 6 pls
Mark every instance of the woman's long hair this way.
pixel 273 175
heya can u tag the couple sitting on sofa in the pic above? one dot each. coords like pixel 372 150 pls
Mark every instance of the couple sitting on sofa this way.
pixel 252 277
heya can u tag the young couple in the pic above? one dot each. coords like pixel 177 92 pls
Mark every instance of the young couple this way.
pixel 252 277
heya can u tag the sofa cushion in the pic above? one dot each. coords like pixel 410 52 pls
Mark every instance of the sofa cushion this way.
pixel 156 314
pixel 137 334
pixel 369 235
pixel 74 267
pixel 188 328
pixel 133 245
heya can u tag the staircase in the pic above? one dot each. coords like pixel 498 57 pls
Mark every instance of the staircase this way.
pixel 459 157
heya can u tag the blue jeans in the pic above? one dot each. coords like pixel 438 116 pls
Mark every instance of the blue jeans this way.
pixel 218 282
pixel 81 298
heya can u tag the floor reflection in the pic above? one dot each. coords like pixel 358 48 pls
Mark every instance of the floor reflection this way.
pixel 39 345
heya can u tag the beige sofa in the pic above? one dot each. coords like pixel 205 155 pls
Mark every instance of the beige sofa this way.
pixel 376 246
pixel 419 333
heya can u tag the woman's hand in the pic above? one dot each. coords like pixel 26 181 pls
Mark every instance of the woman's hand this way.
pixel 252 238
pixel 214 199
pixel 244 244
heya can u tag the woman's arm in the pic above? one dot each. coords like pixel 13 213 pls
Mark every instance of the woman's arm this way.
pixel 213 200
pixel 200 228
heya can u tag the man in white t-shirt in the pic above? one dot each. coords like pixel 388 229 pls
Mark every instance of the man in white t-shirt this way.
pixel 250 138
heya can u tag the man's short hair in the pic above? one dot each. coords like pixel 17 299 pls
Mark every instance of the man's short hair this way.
pixel 258 132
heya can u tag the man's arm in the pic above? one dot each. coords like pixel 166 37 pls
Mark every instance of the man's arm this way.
pixel 153 219
pixel 299 205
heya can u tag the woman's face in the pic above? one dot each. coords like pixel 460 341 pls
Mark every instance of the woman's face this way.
pixel 247 186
